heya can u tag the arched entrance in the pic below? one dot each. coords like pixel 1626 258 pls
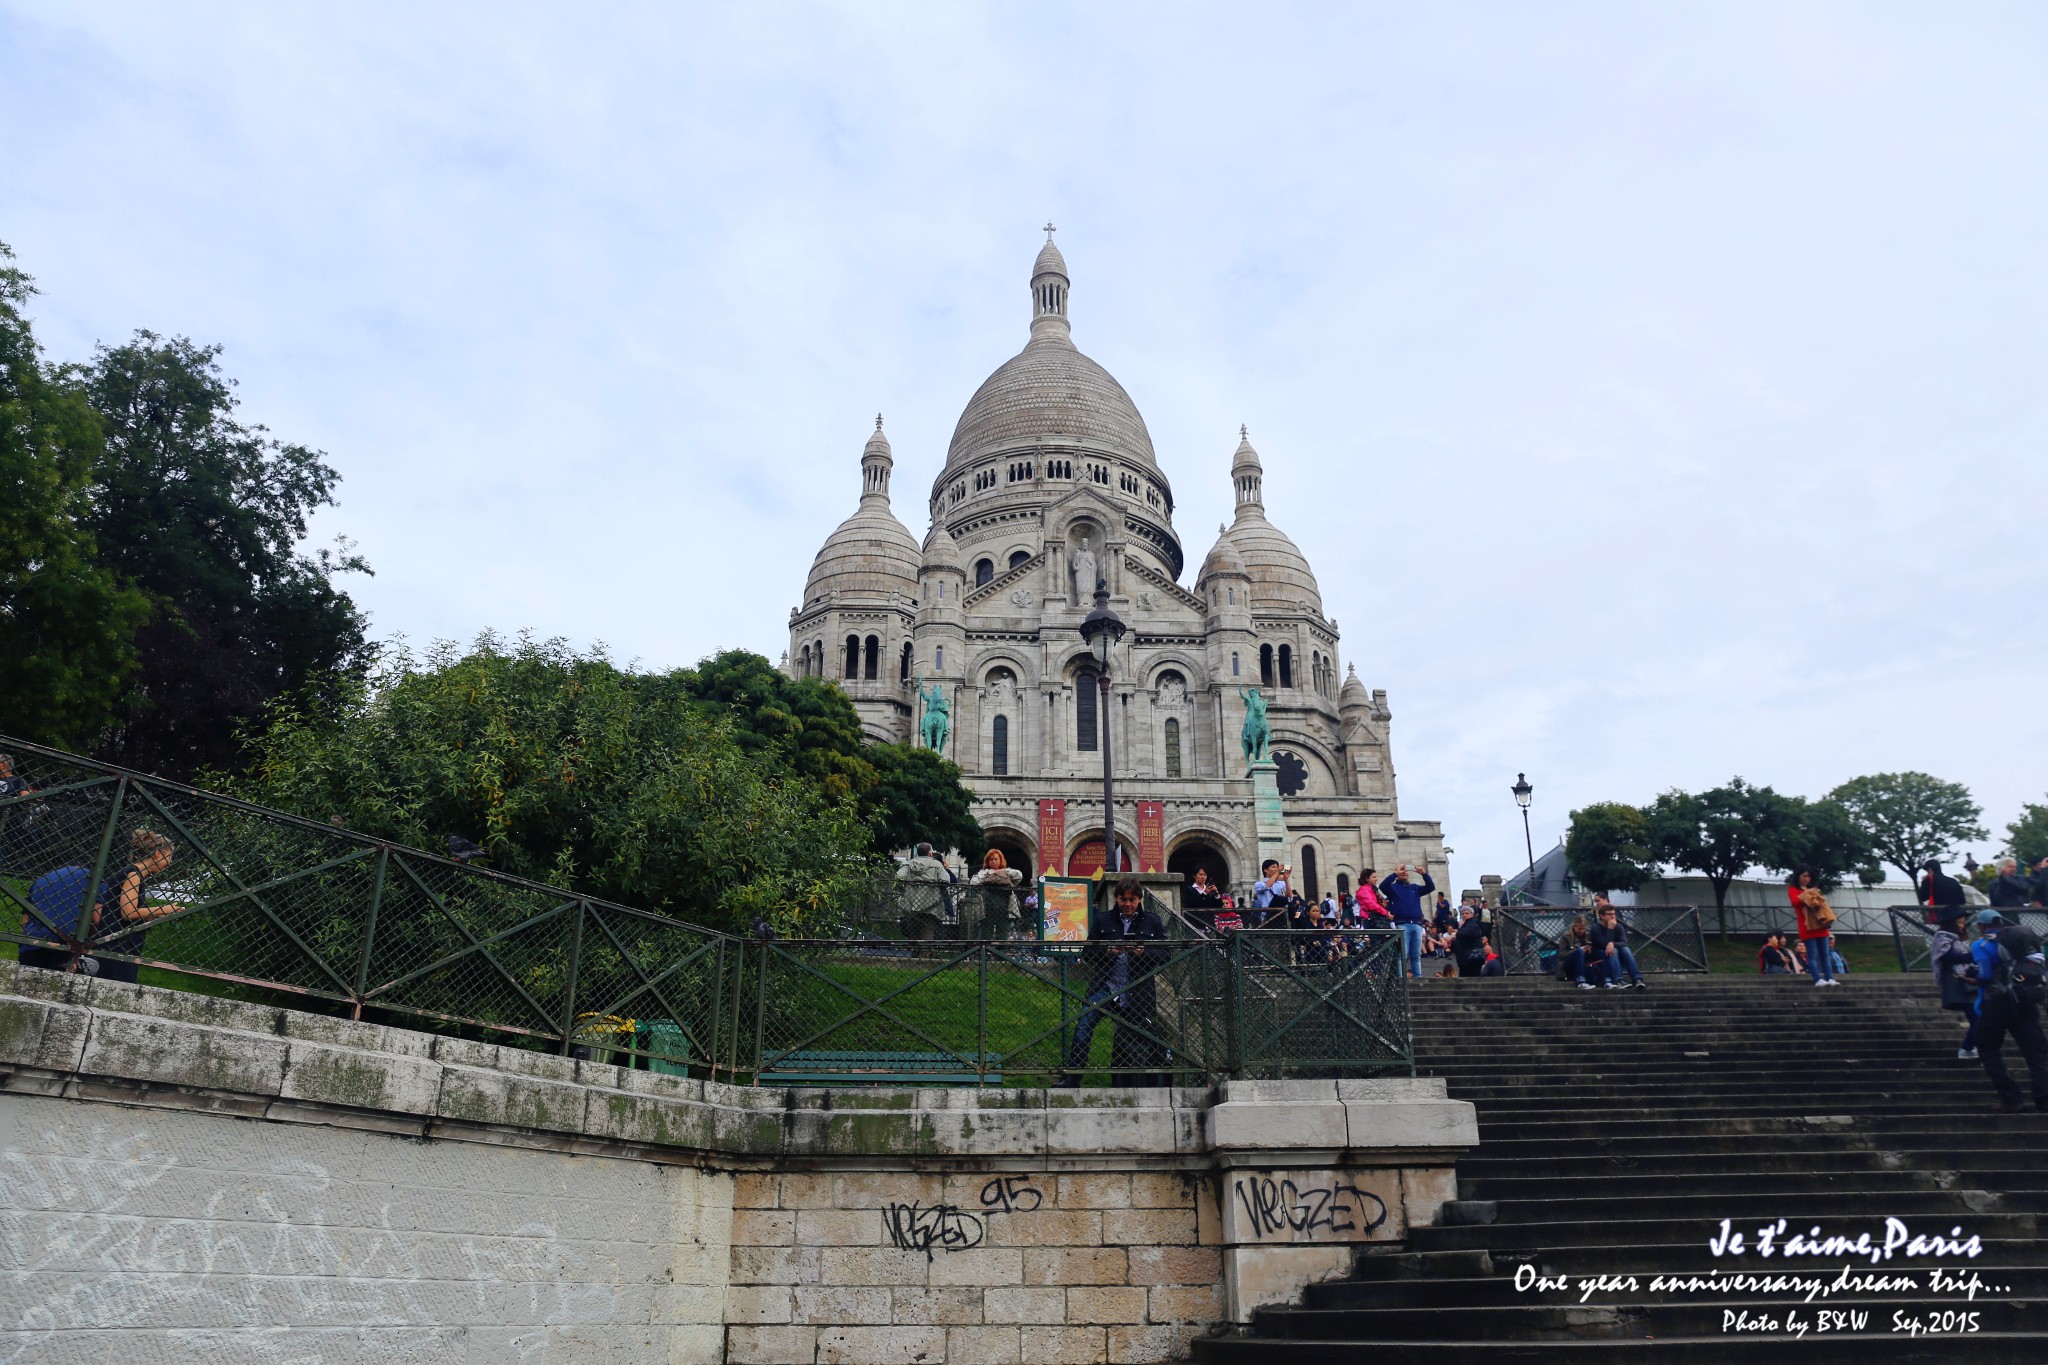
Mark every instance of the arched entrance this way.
pixel 1016 850
pixel 1198 852
pixel 1086 859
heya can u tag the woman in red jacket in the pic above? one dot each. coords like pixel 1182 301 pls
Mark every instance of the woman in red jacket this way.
pixel 1816 936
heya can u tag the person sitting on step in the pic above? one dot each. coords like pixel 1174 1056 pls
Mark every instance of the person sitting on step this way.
pixel 1574 951
pixel 1772 959
pixel 1610 949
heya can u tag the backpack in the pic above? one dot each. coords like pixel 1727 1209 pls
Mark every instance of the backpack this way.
pixel 2019 976
pixel 59 904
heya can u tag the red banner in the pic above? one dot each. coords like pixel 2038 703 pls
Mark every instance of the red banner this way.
pixel 1151 836
pixel 1052 838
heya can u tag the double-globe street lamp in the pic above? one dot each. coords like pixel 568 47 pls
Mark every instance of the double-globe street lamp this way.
pixel 1102 628
pixel 1523 791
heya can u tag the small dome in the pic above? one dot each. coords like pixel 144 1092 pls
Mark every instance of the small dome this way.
pixel 1223 560
pixel 872 556
pixel 1353 693
pixel 1049 262
pixel 1281 579
pixel 940 552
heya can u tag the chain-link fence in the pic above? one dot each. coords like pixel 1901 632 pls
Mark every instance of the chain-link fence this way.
pixel 132 878
pixel 1664 938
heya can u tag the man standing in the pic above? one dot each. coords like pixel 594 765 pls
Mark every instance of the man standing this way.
pixel 1469 947
pixel 2009 973
pixel 1268 891
pixel 1403 896
pixel 2009 889
pixel 1119 985
pixel 1610 947
pixel 927 890
pixel 1939 889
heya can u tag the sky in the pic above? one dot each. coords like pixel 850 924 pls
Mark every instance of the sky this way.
pixel 1657 391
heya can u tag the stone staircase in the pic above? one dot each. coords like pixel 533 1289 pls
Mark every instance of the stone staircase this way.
pixel 1617 1130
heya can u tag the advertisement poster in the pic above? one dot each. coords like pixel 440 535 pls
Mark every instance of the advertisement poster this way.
pixel 1052 837
pixel 1151 836
pixel 1065 904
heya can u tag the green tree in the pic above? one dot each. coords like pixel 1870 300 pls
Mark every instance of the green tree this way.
pixel 66 622
pixel 205 515
pixel 1720 833
pixel 919 796
pixel 569 770
pixel 1908 818
pixel 808 724
pixel 2027 837
pixel 1609 848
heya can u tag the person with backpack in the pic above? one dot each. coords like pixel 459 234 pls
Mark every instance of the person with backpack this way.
pixel 2011 989
pixel 59 910
pixel 1949 955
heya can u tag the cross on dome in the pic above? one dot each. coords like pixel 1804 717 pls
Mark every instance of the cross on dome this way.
pixel 1049 229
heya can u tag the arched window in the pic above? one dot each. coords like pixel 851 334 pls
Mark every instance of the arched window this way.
pixel 939 659
pixel 818 657
pixel 903 667
pixel 1172 748
pixel 803 666
pixel 1286 665
pixel 1019 557
pixel 1265 665
pixel 852 657
pixel 874 653
pixel 1085 726
pixel 1308 871
pixel 984 570
pixel 1233 665
pixel 1231 593
pixel 1000 765
pixel 1344 891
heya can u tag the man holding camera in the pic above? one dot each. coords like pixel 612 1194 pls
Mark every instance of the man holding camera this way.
pixel 1403 896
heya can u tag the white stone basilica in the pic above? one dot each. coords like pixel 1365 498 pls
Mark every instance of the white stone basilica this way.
pixel 1051 483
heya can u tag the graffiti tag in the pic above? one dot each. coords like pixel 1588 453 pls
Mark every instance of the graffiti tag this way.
pixel 1276 1206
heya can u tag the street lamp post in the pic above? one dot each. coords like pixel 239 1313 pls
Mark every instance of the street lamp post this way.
pixel 1523 791
pixel 1102 629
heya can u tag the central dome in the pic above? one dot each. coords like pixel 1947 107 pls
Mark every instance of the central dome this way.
pixel 1050 394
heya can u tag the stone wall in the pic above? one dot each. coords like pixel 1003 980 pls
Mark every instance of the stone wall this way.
pixel 183 1177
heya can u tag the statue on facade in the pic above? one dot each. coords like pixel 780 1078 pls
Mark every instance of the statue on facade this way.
pixel 1257 734
pixel 937 721
pixel 1084 573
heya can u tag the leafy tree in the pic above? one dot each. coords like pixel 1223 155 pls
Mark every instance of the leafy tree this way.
pixel 65 622
pixel 1608 847
pixel 204 515
pixel 1723 832
pixel 919 796
pixel 1908 818
pixel 808 724
pixel 2027 837
pixel 569 770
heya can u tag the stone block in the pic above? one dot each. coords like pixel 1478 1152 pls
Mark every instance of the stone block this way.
pixel 138 1048
pixel 519 1061
pixel 806 1192
pixel 983 1265
pixel 984 1346
pixel 877 1265
pixel 300 1026
pixel 771 1345
pixel 651 1119
pixel 1148 1227
pixel 1151 1345
pixel 1158 1190
pixel 1424 1192
pixel 1200 1304
pixel 1099 1190
pixel 1276 1092
pixel 1411 1124
pixel 840 1228
pixel 1065 1346
pixel 319 1074
pixel 844 1305
pixel 763 1228
pixel 978 1133
pixel 756 1190
pixel 757 1304
pixel 875 1189
pixel 882 1346
pixel 1254 1277
pixel 518 1101
pixel 1243 1125
pixel 1076 1265
pixel 1176 1265
pixel 696 1344
pixel 1106 1304
pixel 1063 1228
pixel 1390 1089
pixel 1024 1304
pixel 781 1265
pixel 938 1307
pixel 43 1034
pixel 1092 1132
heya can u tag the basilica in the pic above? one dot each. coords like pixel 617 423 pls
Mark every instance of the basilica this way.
pixel 1050 488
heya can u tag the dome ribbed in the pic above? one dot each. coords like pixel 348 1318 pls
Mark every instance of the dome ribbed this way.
pixel 1049 394
pixel 940 552
pixel 1281 579
pixel 1049 262
pixel 870 556
pixel 1223 559
pixel 1353 693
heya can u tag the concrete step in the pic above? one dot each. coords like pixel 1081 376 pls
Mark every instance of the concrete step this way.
pixel 2020 1348
pixel 1566 1321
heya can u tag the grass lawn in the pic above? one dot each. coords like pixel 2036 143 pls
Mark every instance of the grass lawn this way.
pixel 1863 953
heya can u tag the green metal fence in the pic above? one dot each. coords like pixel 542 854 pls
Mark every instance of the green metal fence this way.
pixel 1913 931
pixel 1664 938
pixel 257 902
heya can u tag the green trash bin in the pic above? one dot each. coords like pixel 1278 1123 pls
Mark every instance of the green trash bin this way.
pixel 666 1046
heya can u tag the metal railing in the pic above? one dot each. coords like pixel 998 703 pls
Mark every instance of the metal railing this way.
pixel 1913 931
pixel 271 906
pixel 1664 938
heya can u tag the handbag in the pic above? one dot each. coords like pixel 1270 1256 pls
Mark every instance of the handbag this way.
pixel 1818 912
